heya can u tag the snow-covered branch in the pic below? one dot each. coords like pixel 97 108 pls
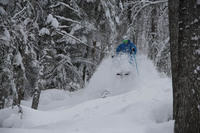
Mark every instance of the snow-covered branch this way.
pixel 64 4
pixel 73 21
pixel 73 37
pixel 156 2
pixel 18 13
pixel 67 19
pixel 147 2
pixel 83 60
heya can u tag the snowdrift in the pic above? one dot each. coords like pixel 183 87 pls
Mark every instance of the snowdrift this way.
pixel 108 104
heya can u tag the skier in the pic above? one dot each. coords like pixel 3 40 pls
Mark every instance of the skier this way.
pixel 126 47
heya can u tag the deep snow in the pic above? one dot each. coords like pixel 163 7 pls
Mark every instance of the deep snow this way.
pixel 108 104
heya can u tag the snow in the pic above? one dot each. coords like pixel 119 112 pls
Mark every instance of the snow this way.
pixel 90 0
pixel 197 69
pixel 195 38
pixel 2 11
pixel 4 2
pixel 6 36
pixel 197 51
pixel 195 21
pixel 121 5
pixel 84 39
pixel 198 2
pixel 117 19
pixel 64 4
pixel 53 21
pixel 108 13
pixel 18 61
pixel 44 31
pixel 108 104
pixel 75 28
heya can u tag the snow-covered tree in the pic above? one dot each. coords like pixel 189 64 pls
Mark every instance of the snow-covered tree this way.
pixel 58 44
pixel 50 44
pixel 148 28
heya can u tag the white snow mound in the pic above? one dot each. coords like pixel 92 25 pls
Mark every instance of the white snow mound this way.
pixel 108 104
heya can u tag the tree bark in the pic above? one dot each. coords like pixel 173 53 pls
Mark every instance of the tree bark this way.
pixel 2 98
pixel 36 98
pixel 185 60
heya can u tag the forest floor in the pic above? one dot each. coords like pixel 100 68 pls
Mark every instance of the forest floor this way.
pixel 108 104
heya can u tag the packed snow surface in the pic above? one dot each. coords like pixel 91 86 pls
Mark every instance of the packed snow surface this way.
pixel 108 104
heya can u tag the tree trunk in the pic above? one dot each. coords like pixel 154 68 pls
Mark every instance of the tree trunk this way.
pixel 36 98
pixel 185 50
pixel 2 98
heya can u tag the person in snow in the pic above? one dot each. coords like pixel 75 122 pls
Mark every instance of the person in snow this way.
pixel 126 47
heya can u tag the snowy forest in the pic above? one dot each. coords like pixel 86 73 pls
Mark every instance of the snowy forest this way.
pixel 60 49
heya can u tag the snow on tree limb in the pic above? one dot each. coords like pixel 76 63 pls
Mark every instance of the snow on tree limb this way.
pixel 44 31
pixel 67 19
pixel 74 21
pixel 73 37
pixel 18 13
pixel 64 4
pixel 148 2
pixel 53 21
pixel 83 60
